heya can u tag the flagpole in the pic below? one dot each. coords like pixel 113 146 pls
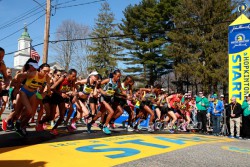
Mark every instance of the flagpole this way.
pixel 46 32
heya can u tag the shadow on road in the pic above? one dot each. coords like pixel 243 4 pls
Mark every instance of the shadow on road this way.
pixel 22 163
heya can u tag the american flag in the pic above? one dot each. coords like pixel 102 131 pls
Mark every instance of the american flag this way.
pixel 33 54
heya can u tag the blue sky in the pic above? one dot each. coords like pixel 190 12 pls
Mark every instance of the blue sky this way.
pixel 85 14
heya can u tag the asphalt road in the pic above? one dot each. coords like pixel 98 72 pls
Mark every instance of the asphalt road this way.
pixel 200 155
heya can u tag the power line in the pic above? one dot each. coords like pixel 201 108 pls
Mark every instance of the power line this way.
pixel 65 2
pixel 16 19
pixel 21 28
pixel 126 35
pixel 24 49
pixel 20 18
pixel 80 4
pixel 42 6
pixel 12 23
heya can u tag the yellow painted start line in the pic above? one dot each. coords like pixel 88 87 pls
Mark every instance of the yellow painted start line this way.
pixel 107 151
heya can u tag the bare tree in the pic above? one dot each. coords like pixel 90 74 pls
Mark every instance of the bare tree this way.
pixel 71 52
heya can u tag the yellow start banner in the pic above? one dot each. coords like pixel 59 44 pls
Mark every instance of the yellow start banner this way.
pixel 239 53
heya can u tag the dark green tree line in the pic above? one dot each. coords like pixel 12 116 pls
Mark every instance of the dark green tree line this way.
pixel 146 24
pixel 199 43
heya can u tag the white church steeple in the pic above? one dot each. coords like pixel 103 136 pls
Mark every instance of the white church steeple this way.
pixel 23 53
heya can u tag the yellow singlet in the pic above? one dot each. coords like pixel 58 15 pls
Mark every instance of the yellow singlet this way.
pixel 35 82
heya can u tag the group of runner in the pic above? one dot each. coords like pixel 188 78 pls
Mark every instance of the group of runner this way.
pixel 50 93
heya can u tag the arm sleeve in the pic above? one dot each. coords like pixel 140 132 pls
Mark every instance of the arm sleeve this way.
pixel 238 110
pixel 244 105
pixel 206 102
pixel 221 107
pixel 198 99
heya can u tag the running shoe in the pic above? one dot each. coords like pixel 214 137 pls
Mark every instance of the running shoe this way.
pixel 94 125
pixel 21 132
pixel 39 127
pixel 238 137
pixel 175 127
pixel 52 124
pixel 206 133
pixel 130 129
pixel 158 125
pixel 112 126
pixel 184 128
pixel 150 128
pixel 232 137
pixel 166 128
pixel 73 126
pixel 54 132
pixel 106 130
pixel 4 125
pixel 89 127
pixel 136 130
pixel 171 131
pixel 10 125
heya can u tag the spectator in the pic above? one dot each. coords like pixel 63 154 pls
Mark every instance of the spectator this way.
pixel 216 109
pixel 234 112
pixel 246 117
pixel 222 98
pixel 202 104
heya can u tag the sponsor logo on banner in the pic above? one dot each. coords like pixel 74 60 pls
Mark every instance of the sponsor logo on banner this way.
pixel 239 36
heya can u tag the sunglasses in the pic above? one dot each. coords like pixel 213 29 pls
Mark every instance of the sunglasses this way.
pixel 45 71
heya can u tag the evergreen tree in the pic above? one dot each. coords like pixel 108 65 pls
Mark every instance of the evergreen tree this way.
pixel 199 43
pixel 145 25
pixel 103 48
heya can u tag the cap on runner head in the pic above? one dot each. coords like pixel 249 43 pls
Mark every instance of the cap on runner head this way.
pixel 35 65
pixel 93 73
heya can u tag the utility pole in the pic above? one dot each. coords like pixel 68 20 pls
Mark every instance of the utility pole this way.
pixel 46 31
